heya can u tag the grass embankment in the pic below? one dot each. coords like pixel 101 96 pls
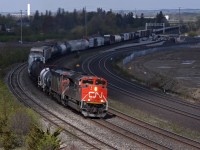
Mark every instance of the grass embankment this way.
pixel 15 119
pixel 147 117
pixel 11 54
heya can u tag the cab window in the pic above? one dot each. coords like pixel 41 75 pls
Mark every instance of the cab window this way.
pixel 100 82
pixel 87 82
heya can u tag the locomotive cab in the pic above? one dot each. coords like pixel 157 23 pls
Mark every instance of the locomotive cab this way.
pixel 93 96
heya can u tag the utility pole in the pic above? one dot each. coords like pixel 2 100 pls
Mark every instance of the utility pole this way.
pixel 21 26
pixel 179 21
pixel 85 22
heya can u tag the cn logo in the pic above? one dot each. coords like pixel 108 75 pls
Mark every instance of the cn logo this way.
pixel 95 94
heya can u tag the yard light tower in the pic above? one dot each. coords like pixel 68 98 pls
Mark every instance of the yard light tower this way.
pixel 28 9
pixel 21 26
pixel 179 15
pixel 85 22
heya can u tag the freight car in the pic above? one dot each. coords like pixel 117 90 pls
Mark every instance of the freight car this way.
pixel 115 39
pixel 96 42
pixel 125 36
pixel 37 57
pixel 77 45
pixel 144 33
pixel 35 61
pixel 84 93
pixel 45 53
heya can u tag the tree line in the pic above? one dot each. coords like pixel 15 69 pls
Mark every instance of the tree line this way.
pixel 96 23
pixel 78 24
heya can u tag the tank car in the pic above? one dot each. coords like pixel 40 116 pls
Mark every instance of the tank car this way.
pixel 44 80
pixel 84 93
pixel 35 64
pixel 35 68
pixel 77 45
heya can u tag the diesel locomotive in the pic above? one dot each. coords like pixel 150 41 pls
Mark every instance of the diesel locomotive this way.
pixel 85 93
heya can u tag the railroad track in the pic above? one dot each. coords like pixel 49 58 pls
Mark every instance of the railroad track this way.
pixel 137 93
pixel 170 139
pixel 194 113
pixel 24 97
pixel 154 94
pixel 20 93
pixel 129 136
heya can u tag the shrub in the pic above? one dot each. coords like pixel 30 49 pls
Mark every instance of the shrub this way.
pixel 41 140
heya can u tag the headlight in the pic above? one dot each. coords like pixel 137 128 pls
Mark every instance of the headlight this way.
pixel 95 88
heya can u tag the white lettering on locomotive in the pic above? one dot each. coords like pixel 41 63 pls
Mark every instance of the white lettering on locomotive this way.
pixel 95 94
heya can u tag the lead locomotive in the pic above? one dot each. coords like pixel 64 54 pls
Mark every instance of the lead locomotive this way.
pixel 84 93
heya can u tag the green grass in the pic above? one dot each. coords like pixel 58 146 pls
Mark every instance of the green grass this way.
pixel 11 54
pixel 33 37
pixel 9 107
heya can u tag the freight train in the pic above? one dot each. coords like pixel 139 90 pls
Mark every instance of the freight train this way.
pixel 44 53
pixel 85 93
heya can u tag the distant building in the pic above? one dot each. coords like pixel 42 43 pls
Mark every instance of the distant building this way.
pixel 28 10
pixel 167 17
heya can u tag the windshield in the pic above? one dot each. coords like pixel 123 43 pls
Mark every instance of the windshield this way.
pixel 94 82
pixel 89 81
pixel 100 82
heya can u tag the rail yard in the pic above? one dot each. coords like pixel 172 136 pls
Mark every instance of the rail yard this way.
pixel 107 75
pixel 91 133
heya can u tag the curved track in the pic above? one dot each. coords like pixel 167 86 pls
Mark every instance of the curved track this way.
pixel 14 81
pixel 121 89
pixel 89 141
pixel 101 64
pixel 151 133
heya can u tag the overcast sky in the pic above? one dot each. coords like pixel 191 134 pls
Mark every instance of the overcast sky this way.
pixel 70 5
